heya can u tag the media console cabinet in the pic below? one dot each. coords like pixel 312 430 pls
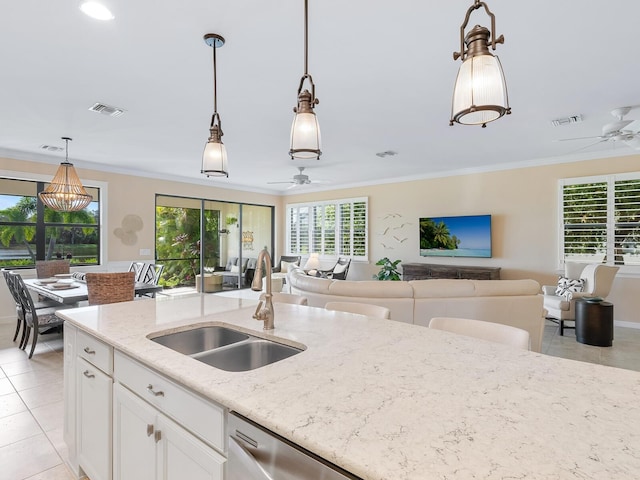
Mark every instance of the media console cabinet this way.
pixel 421 271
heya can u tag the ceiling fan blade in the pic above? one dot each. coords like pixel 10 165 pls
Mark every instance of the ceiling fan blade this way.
pixel 294 185
pixel 274 183
pixel 590 145
pixel 581 138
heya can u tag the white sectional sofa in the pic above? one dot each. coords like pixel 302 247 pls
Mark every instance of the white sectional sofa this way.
pixel 511 302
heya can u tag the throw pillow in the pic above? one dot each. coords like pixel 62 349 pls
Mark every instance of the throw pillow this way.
pixel 284 266
pixel 235 269
pixel 566 286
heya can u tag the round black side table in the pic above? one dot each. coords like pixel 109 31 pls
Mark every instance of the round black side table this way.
pixel 594 323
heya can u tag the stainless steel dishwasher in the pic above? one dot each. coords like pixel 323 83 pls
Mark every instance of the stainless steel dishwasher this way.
pixel 256 453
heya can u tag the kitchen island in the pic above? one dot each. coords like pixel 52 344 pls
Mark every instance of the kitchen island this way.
pixel 388 400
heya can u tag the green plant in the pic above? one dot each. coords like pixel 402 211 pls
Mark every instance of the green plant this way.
pixel 389 270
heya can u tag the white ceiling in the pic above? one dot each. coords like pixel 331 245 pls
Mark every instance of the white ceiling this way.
pixel 383 71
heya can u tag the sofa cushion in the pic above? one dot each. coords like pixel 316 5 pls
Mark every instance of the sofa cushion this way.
pixel 442 288
pixel 488 288
pixel 371 288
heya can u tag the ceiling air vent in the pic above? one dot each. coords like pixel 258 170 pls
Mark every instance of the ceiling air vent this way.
pixel 387 153
pixel 558 122
pixel 51 148
pixel 107 110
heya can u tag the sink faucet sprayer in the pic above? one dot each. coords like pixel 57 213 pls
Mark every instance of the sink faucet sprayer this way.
pixel 264 311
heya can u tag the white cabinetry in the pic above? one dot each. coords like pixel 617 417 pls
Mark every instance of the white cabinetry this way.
pixel 142 427
pixel 94 366
pixel 94 420
pixel 150 442
pixel 148 445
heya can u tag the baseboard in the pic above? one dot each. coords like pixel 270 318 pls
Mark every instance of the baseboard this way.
pixel 620 323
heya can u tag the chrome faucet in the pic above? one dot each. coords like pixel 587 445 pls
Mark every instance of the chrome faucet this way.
pixel 264 311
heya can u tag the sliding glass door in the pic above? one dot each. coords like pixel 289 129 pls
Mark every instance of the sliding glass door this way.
pixel 210 244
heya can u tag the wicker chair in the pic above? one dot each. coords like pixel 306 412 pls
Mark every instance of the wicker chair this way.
pixel 110 287
pixel 35 319
pixel 49 268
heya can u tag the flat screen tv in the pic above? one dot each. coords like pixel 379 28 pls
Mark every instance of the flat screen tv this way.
pixel 464 236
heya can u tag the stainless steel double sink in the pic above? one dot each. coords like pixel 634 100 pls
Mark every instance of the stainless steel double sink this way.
pixel 226 348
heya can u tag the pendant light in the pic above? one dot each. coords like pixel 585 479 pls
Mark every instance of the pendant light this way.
pixel 214 158
pixel 480 94
pixel 65 193
pixel 305 131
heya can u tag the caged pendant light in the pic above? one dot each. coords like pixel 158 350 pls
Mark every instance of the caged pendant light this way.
pixel 480 93
pixel 214 158
pixel 65 193
pixel 305 131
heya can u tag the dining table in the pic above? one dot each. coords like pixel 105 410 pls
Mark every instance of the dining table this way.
pixel 72 293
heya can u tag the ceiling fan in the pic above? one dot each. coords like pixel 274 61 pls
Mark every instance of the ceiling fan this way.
pixel 620 131
pixel 300 179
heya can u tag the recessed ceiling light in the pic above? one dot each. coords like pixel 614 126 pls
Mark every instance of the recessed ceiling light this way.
pixel 96 10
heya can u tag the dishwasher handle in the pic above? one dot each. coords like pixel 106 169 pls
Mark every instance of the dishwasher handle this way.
pixel 247 460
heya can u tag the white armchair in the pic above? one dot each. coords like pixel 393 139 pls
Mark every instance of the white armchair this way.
pixel 597 280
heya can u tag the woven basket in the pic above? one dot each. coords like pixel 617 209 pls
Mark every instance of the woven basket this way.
pixel 110 287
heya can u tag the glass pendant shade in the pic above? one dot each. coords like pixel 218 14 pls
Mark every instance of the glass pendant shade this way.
pixel 305 136
pixel 214 159
pixel 480 92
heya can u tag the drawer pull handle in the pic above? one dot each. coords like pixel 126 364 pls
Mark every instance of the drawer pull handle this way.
pixel 88 375
pixel 88 351
pixel 155 394
pixel 157 436
pixel 149 430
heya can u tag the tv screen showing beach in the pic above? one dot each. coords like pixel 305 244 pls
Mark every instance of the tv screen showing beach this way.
pixel 466 236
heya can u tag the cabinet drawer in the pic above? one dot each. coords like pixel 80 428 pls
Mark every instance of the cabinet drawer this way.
pixel 204 418
pixel 95 352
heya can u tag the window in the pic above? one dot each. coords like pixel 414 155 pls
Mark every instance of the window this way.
pixel 601 219
pixel 332 228
pixel 31 231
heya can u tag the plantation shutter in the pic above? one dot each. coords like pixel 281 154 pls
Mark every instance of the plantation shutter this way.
pixel 627 221
pixel 585 221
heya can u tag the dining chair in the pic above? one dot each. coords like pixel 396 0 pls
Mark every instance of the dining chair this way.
pixel 151 273
pixel 367 309
pixel 139 269
pixel 50 268
pixel 293 299
pixel 110 287
pixel 493 332
pixel 14 294
pixel 35 319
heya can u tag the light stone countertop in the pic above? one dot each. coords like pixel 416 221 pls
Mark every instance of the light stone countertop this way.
pixel 388 400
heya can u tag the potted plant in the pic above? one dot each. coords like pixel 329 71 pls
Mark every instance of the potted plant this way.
pixel 389 270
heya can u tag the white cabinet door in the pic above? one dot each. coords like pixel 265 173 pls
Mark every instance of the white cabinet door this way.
pixel 148 446
pixel 134 433
pixel 94 391
pixel 182 456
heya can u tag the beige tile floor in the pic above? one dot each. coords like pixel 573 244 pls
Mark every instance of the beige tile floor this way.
pixel 31 411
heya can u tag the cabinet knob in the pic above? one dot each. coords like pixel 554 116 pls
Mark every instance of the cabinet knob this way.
pixel 154 393
pixel 157 436
pixel 87 374
pixel 149 430
pixel 88 351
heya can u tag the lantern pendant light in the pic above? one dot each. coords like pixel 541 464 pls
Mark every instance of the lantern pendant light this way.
pixel 305 131
pixel 214 158
pixel 480 94
pixel 65 193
